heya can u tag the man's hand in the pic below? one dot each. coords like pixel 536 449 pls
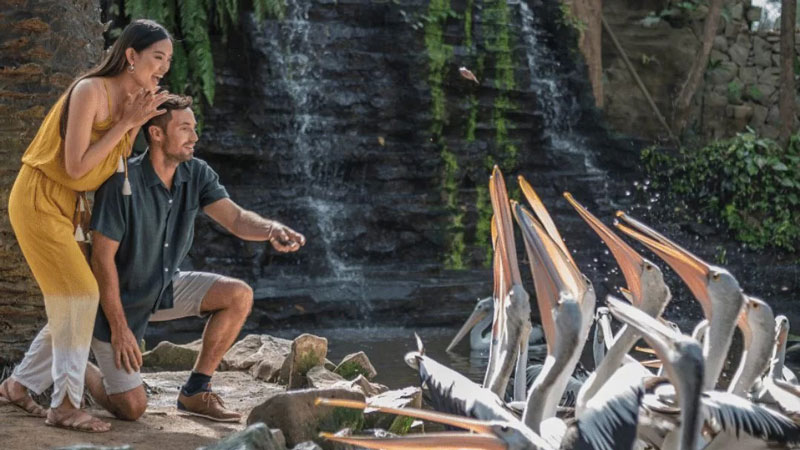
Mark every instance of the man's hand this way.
pixel 127 354
pixel 285 239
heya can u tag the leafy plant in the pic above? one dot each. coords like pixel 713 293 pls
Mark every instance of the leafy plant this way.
pixel 734 91
pixel 748 182
pixel 350 370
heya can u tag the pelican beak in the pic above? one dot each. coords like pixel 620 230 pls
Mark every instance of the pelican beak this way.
pixel 631 263
pixel 477 315
pixel 434 441
pixel 476 426
pixel 553 274
pixel 504 242
pixel 652 363
pixel 692 270
pixel 544 217
pixel 744 324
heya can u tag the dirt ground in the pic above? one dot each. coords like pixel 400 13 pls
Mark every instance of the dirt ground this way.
pixel 162 426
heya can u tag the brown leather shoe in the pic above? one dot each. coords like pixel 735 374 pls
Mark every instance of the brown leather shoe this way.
pixel 207 404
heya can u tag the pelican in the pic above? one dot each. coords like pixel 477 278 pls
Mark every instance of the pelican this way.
pixel 756 322
pixel 773 390
pixel 647 291
pixel 715 288
pixel 511 324
pixel 479 324
pixel 566 303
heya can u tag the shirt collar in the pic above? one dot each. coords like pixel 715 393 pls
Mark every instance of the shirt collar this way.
pixel 151 177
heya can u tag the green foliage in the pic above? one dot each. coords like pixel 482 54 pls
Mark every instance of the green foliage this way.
pixel 401 425
pixel 748 182
pixel 568 19
pixel 350 370
pixel 307 361
pixel 191 23
pixel 348 418
pixel 734 92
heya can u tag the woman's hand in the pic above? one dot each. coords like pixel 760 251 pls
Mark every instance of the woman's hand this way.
pixel 142 106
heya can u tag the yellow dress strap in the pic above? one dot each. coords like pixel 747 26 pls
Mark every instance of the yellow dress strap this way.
pixel 108 96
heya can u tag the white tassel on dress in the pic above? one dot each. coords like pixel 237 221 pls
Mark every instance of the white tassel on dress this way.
pixel 79 236
pixel 126 187
pixel 120 165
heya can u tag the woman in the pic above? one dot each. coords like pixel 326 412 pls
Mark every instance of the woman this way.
pixel 85 137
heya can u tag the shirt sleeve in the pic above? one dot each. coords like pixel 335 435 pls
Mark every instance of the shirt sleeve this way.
pixel 210 188
pixel 109 213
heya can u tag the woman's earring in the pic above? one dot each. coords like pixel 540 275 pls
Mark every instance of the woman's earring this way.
pixel 131 69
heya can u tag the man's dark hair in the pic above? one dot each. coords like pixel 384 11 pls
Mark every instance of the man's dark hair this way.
pixel 174 102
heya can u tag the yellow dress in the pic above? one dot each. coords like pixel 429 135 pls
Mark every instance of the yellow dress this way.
pixel 41 207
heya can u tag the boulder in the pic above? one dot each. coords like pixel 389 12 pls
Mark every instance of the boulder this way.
pixel 356 364
pixel 295 413
pixel 168 356
pixel 748 75
pixel 254 437
pixel 762 52
pixel 400 398
pixel 307 351
pixel 753 14
pixel 720 43
pixel 723 73
pixel 759 116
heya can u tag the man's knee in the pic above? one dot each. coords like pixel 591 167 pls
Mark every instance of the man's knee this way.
pixel 242 298
pixel 129 405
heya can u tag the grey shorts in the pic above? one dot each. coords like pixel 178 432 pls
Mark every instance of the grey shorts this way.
pixel 189 289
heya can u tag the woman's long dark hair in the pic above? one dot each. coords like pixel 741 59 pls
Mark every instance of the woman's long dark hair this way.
pixel 138 35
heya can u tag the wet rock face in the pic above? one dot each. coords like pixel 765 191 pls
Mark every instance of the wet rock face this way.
pixel 43 46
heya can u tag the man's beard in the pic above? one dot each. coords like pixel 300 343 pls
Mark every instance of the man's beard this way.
pixel 178 158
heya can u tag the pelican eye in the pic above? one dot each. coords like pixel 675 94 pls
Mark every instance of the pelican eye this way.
pixel 648 267
pixel 504 428
pixel 715 276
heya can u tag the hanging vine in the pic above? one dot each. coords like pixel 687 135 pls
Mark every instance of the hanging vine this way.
pixel 191 23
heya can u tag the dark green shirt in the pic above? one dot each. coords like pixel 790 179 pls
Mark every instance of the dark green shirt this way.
pixel 154 227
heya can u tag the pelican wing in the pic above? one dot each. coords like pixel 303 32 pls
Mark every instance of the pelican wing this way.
pixel 733 414
pixel 611 417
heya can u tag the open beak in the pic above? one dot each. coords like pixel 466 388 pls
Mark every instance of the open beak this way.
pixel 477 315
pixel 553 272
pixel 692 270
pixel 544 217
pixel 631 263
pixel 484 439
pixel 657 335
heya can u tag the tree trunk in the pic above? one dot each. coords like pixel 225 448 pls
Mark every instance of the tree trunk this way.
pixel 43 46
pixel 786 104
pixel 684 99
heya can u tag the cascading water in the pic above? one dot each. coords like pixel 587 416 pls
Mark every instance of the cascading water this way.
pixel 323 195
pixel 557 102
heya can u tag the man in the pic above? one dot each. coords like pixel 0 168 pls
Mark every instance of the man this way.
pixel 140 240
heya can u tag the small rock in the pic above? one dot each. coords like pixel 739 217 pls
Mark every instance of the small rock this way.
pixel 307 352
pixel 400 398
pixel 753 14
pixel 740 50
pixel 295 413
pixel 737 12
pixel 762 52
pixel 356 364
pixel 720 44
pixel 740 112
pixel 168 356
pixel 748 75
pixel 262 355
pixel 759 115
pixel 321 378
pixel 360 383
pixel 254 437
pixel 308 445
pixel 724 73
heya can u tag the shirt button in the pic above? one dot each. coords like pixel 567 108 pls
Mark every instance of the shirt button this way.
pixel 170 201
pixel 166 244
pixel 166 269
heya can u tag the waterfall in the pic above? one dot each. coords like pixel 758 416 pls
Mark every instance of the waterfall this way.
pixel 557 102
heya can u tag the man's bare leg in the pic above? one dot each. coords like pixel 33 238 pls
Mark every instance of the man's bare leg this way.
pixel 229 300
pixel 128 405
pixel 14 392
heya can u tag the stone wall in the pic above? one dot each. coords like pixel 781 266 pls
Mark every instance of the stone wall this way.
pixel 743 81
pixel 740 87
pixel 43 46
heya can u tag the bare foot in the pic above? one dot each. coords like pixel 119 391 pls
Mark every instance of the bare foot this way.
pixel 75 419
pixel 16 394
